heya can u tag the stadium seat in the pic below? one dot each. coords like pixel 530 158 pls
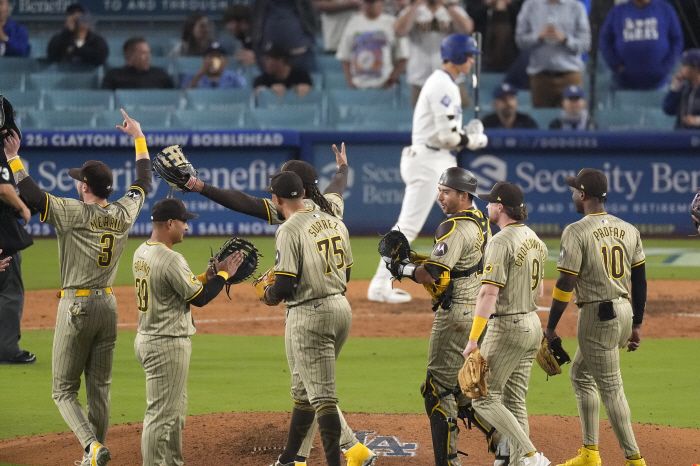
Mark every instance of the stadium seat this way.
pixel 232 118
pixel 18 65
pixel 376 118
pixel 186 65
pixel 615 119
pixel 351 105
pixel 334 81
pixel 629 99
pixel 328 63
pixel 59 120
pixel 149 100
pixel 293 118
pixel 62 80
pixel 39 45
pixel 153 120
pixel 489 82
pixel 524 100
pixel 12 82
pixel 543 116
pixel 24 102
pixel 90 101
pixel 656 119
pixel 216 100
pixel 267 98
pixel 316 79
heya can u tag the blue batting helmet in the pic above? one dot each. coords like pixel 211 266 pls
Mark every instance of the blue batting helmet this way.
pixel 456 47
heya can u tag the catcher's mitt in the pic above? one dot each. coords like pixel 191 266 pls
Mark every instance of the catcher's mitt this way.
pixel 172 165
pixel 695 210
pixel 395 250
pixel 262 283
pixel 472 376
pixel 250 260
pixel 551 356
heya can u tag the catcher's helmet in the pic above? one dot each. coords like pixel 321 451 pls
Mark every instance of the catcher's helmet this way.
pixel 7 120
pixel 459 178
pixel 455 48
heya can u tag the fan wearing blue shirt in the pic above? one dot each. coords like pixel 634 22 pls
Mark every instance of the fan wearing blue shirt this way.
pixel 14 39
pixel 213 73
pixel 641 41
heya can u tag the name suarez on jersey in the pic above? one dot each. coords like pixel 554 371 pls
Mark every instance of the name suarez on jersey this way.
pixel 107 222
pixel 528 244
pixel 142 266
pixel 320 225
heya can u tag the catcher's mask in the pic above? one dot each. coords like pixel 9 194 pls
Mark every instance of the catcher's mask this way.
pixel 7 120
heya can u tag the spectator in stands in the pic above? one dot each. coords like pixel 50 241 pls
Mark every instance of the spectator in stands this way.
pixel 371 55
pixel 641 41
pixel 574 115
pixel 197 36
pixel 77 43
pixel 506 114
pixel 14 38
pixel 335 15
pixel 237 20
pixel 213 73
pixel 138 72
pixel 556 33
pixel 496 20
pixel 426 23
pixel 279 75
pixel 288 23
pixel 683 98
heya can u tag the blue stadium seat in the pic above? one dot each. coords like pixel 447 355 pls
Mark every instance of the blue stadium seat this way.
pixel 656 119
pixel 86 101
pixel 350 105
pixel 149 100
pixel 12 82
pixel 616 119
pixel 116 46
pixel 161 45
pixel 59 120
pixel 293 118
pixel 185 65
pixel 377 118
pixel 267 98
pixel 629 99
pixel 524 100
pixel 216 100
pixel 316 79
pixel 39 45
pixel 489 82
pixel 334 81
pixel 65 80
pixel 18 65
pixel 24 102
pixel 543 116
pixel 328 63
pixel 192 119
pixel 153 120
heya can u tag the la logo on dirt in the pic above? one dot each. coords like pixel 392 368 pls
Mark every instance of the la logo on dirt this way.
pixel 385 445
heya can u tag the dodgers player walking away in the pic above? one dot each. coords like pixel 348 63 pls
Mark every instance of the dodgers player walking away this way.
pixel 313 263
pixel 92 234
pixel 165 289
pixel 512 281
pixel 437 133
pixel 600 255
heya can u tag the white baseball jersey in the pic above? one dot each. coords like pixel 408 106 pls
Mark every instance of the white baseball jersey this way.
pixel 439 109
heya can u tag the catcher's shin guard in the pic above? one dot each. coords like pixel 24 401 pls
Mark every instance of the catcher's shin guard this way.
pixel 443 429
pixel 466 412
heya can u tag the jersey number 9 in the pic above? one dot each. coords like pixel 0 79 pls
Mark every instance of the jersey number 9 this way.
pixel 104 259
pixel 142 294
pixel 324 247
pixel 536 273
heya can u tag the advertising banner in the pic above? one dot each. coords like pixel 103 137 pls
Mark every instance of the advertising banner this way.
pixel 107 9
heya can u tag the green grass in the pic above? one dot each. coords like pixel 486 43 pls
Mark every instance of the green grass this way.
pixel 250 373
pixel 40 268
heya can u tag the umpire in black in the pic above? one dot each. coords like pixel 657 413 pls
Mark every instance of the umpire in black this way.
pixel 13 239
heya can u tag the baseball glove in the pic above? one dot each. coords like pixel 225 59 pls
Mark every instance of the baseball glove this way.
pixel 172 165
pixel 472 376
pixel 551 356
pixel 695 209
pixel 262 283
pixel 395 251
pixel 246 270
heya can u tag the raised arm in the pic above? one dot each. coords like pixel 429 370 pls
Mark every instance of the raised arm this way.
pixel 143 162
pixel 340 180
pixel 34 196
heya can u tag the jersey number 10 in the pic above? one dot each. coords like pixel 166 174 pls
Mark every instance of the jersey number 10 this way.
pixel 613 261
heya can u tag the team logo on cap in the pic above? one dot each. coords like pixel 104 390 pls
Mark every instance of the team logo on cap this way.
pixel 293 193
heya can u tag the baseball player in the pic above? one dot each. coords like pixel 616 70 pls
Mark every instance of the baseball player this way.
pixel 331 202
pixel 511 283
pixel 312 267
pixel 455 265
pixel 92 234
pixel 437 135
pixel 600 255
pixel 165 289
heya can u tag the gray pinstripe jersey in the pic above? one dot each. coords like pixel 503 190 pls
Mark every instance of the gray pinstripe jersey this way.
pixel 314 247
pixel 335 200
pixel 514 261
pixel 601 249
pixel 164 286
pixel 91 238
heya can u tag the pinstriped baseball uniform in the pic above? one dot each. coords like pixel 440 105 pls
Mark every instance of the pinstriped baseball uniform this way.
pixel 315 248
pixel 91 239
pixel 514 261
pixel 602 249
pixel 164 286
pixel 458 242
pixel 335 200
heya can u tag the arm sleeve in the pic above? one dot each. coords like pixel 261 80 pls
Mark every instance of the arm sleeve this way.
pixel 496 262
pixel 606 42
pixel 18 42
pixel 35 197
pixel 144 175
pixel 570 256
pixel 671 102
pixel 525 37
pixel 443 116
pixel 210 290
pixel 639 293
pixel 95 50
pixel 283 287
pixel 238 201
pixel 339 181
pixel 580 41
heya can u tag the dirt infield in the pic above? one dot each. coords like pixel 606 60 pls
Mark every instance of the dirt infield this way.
pixel 673 310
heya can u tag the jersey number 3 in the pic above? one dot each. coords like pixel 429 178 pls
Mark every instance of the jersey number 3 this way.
pixel 104 258
pixel 142 294
pixel 324 247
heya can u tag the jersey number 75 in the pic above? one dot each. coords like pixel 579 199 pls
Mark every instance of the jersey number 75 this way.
pixel 324 247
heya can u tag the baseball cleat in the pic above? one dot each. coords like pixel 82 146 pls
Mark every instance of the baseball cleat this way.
pixel 538 459
pixel 502 461
pixel 390 295
pixel 638 462
pixel 360 455
pixel 99 455
pixel 585 457
pixel 277 463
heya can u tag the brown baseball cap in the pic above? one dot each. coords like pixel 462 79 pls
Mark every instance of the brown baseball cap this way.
pixel 506 193
pixel 305 170
pixel 170 208
pixel 94 173
pixel 589 180
pixel 287 185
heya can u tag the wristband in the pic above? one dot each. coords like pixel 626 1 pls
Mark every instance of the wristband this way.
pixel 223 274
pixel 202 277
pixel 477 327
pixel 15 164
pixel 140 144
pixel 562 296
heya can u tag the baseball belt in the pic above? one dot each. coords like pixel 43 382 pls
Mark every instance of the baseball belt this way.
pixel 83 293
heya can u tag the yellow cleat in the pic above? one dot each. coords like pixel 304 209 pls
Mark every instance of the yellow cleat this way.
pixel 360 455
pixel 99 455
pixel 585 457
pixel 639 462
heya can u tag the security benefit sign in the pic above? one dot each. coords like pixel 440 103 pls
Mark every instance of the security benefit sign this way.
pixel 246 170
pixel 651 192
